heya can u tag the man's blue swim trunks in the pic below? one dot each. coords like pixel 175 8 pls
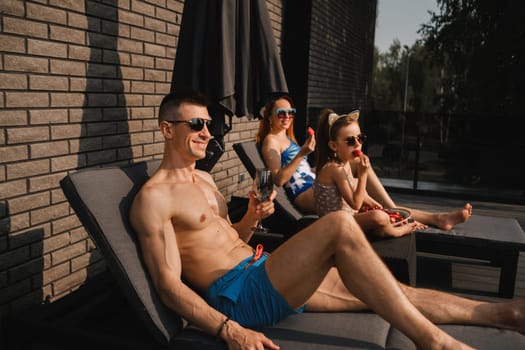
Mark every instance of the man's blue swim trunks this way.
pixel 246 295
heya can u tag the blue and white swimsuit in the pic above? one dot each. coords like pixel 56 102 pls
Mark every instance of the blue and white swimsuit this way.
pixel 303 178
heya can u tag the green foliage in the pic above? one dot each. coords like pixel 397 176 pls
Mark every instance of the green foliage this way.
pixel 470 60
pixel 388 90
pixel 480 44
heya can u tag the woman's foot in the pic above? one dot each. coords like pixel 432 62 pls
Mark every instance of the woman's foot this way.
pixel 446 221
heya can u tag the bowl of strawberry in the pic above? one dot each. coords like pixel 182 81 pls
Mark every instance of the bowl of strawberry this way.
pixel 397 216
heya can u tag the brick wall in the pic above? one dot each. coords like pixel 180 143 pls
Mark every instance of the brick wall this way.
pixel 80 83
pixel 341 54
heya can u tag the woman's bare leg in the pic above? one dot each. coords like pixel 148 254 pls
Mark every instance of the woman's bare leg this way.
pixel 301 264
pixel 305 202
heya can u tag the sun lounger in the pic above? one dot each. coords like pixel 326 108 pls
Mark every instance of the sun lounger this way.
pixel 101 199
pixel 399 254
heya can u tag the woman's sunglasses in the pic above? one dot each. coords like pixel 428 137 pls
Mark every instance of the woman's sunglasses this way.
pixel 351 140
pixel 196 124
pixel 281 113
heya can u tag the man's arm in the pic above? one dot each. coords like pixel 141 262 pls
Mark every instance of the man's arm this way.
pixel 161 256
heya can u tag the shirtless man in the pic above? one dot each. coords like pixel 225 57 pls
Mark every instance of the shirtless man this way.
pixel 194 240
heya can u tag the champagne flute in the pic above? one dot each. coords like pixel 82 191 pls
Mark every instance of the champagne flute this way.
pixel 263 188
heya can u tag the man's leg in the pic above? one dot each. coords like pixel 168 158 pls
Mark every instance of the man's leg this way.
pixel 300 265
pixel 441 307
pixel 438 307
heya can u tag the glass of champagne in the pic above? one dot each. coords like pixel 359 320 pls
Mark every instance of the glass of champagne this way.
pixel 263 187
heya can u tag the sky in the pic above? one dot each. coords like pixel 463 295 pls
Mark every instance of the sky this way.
pixel 401 19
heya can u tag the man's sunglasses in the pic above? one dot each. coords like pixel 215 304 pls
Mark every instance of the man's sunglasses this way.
pixel 351 140
pixel 281 113
pixel 196 124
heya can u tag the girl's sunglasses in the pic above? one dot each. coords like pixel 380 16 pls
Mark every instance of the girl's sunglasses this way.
pixel 281 113
pixel 196 124
pixel 351 140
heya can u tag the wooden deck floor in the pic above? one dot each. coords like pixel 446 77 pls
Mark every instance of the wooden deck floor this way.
pixel 483 278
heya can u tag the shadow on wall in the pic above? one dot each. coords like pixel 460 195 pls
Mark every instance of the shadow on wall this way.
pixel 20 266
pixel 32 269
pixel 104 137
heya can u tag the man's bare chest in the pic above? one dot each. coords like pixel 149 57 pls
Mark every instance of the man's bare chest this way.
pixel 196 205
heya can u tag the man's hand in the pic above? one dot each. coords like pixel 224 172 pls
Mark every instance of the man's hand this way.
pixel 238 337
pixel 263 209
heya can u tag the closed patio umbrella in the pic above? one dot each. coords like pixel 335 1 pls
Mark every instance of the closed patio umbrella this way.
pixel 227 51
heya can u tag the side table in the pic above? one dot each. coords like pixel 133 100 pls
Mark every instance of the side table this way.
pixel 494 239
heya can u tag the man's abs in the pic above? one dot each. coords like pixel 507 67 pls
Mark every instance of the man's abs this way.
pixel 208 254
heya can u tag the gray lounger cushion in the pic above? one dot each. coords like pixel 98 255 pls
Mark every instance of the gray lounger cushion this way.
pixel 101 198
pixel 476 336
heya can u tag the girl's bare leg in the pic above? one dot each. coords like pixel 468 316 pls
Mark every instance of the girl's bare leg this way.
pixel 376 223
pixel 444 221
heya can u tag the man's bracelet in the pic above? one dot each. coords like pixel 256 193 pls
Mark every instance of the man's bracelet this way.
pixel 222 327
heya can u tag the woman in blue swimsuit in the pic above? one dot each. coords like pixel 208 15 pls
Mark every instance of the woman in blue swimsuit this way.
pixel 287 160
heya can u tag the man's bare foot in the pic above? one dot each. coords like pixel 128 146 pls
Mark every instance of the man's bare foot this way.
pixel 448 342
pixel 456 344
pixel 514 318
pixel 448 220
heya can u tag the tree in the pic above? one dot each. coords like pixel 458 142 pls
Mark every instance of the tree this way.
pixel 481 46
pixel 388 90
pixel 387 84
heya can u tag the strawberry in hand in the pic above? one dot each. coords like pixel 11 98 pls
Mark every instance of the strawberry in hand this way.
pixel 357 153
pixel 310 131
